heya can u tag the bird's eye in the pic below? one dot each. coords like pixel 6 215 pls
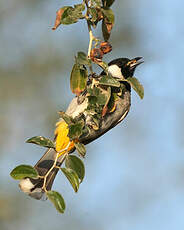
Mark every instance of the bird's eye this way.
pixel 131 62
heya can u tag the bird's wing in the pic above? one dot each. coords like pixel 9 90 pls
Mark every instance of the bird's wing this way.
pixel 33 187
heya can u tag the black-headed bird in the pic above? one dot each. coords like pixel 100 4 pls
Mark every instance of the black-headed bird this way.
pixel 120 69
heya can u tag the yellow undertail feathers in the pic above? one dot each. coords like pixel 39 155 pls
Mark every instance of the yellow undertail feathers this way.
pixel 62 139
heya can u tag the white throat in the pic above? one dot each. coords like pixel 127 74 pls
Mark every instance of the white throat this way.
pixel 115 71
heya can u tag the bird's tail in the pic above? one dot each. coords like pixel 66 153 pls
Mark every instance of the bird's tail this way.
pixel 34 187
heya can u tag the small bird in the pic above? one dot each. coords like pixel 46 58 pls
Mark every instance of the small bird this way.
pixel 121 69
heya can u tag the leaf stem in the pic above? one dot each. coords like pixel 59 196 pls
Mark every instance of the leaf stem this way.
pixel 46 175
pixel 55 165
pixel 91 37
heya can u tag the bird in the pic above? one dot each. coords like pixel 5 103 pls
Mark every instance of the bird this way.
pixel 120 69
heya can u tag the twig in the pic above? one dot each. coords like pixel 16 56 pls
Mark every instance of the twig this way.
pixel 55 165
pixel 45 177
pixel 91 37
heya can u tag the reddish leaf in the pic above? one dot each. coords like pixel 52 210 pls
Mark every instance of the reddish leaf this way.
pixel 59 14
pixel 96 55
pixel 105 47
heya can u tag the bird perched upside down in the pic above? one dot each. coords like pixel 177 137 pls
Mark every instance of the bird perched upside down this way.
pixel 110 116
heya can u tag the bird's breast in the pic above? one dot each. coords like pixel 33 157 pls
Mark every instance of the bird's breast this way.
pixel 75 109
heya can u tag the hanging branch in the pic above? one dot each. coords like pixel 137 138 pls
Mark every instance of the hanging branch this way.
pixel 101 100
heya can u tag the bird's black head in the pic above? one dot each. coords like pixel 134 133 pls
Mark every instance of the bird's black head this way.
pixel 123 67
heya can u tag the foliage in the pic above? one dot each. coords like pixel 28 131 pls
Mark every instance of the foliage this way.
pixel 42 141
pixel 101 92
pixel 136 86
pixel 72 177
pixel 23 171
pixel 57 200
pixel 75 163
pixel 78 79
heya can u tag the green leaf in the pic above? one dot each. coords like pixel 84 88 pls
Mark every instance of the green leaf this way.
pixel 136 86
pixel 112 101
pixel 107 23
pixel 78 80
pixel 80 149
pixel 42 141
pixel 106 34
pixel 72 176
pixel 76 164
pixel 67 17
pixel 96 96
pixel 109 81
pixel 101 97
pixel 108 96
pixel 57 200
pixel 82 59
pixel 23 171
pixel 108 14
pixel 71 15
pixel 75 130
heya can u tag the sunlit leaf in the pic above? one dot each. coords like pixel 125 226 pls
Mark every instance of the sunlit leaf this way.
pixel 76 164
pixel 109 81
pixel 136 86
pixel 23 171
pixel 72 15
pixel 78 80
pixel 57 200
pixel 72 177
pixel 80 149
pixel 42 141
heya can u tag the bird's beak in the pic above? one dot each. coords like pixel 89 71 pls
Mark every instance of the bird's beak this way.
pixel 135 62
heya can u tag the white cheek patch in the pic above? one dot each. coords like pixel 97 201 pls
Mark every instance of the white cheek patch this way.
pixel 115 71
